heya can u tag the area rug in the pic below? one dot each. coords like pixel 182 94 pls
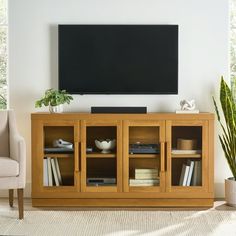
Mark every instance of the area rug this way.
pixel 119 222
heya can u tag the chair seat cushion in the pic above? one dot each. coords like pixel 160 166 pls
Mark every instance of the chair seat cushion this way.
pixel 8 167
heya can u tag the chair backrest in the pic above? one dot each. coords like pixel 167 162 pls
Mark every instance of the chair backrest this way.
pixel 4 134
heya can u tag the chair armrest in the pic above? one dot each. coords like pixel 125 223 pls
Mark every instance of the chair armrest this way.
pixel 18 153
pixel 17 148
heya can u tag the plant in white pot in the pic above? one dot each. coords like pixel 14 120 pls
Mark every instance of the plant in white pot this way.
pixel 228 138
pixel 54 99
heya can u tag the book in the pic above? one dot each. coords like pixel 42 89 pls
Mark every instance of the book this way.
pixel 197 174
pixel 45 172
pixel 144 171
pixel 181 179
pixel 144 182
pixel 58 171
pixel 178 151
pixel 199 171
pixel 190 174
pixel 54 171
pixel 184 175
pixel 146 176
pixel 50 183
pixel 194 179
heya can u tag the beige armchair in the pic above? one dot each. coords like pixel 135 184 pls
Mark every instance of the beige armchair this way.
pixel 12 159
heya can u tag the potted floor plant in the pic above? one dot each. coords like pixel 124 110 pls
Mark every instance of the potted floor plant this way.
pixel 54 99
pixel 228 138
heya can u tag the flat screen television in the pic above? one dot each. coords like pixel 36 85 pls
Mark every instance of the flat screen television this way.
pixel 118 59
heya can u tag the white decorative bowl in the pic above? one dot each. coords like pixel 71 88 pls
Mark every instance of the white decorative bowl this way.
pixel 105 145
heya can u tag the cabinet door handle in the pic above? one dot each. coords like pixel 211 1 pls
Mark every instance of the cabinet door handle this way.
pixel 81 154
pixel 76 156
pixel 162 153
pixel 168 151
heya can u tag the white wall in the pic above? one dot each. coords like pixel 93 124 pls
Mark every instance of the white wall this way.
pixel 203 54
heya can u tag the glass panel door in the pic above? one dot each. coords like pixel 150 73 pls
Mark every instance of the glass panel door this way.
pixel 101 156
pixel 186 152
pixel 144 156
pixel 60 155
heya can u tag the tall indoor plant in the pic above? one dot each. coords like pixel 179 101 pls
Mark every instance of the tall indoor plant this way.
pixel 54 99
pixel 228 137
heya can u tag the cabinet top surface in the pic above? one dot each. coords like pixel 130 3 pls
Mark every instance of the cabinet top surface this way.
pixel 151 115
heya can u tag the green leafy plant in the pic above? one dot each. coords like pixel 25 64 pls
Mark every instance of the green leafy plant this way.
pixel 3 102
pixel 228 136
pixel 54 97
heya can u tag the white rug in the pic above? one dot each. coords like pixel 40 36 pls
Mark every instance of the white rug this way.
pixel 119 222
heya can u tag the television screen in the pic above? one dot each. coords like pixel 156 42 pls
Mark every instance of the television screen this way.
pixel 118 59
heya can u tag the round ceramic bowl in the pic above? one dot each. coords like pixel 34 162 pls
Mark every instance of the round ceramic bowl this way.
pixel 105 145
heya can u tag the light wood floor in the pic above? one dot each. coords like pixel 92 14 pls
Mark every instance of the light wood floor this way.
pixel 4 205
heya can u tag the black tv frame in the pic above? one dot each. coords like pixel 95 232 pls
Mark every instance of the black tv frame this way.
pixel 118 92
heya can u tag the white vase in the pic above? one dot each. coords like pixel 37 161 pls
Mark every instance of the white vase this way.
pixel 56 109
pixel 230 191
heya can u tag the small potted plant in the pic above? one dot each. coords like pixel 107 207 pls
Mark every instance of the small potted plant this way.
pixel 54 99
pixel 228 138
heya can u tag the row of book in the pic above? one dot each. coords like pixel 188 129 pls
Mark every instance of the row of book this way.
pixel 51 172
pixel 145 177
pixel 191 174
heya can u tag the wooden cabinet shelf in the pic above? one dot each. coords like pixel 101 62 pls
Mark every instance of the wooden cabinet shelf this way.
pixel 120 178
pixel 186 155
pixel 59 155
pixel 100 155
pixel 144 155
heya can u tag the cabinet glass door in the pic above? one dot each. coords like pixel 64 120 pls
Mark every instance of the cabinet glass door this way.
pixel 59 161
pixel 144 166
pixel 101 156
pixel 186 156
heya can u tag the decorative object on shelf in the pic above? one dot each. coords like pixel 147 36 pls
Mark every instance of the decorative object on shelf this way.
pixel 101 181
pixel 228 137
pixel 89 149
pixel 62 144
pixel 187 106
pixel 58 150
pixel 186 144
pixel 138 148
pixel 55 100
pixel 105 145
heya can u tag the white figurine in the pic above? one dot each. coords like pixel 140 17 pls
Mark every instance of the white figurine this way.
pixel 187 105
pixel 62 144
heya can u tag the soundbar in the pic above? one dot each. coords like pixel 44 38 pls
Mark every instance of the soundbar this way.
pixel 119 110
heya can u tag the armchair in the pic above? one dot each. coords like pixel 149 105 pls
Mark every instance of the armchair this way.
pixel 12 158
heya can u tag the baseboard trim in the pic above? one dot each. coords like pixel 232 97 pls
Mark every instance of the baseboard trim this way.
pixel 110 202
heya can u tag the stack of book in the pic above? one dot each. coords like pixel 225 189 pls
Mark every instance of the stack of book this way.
pixel 51 172
pixel 191 174
pixel 145 177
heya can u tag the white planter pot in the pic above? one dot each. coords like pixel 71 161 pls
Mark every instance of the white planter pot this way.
pixel 56 109
pixel 230 191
